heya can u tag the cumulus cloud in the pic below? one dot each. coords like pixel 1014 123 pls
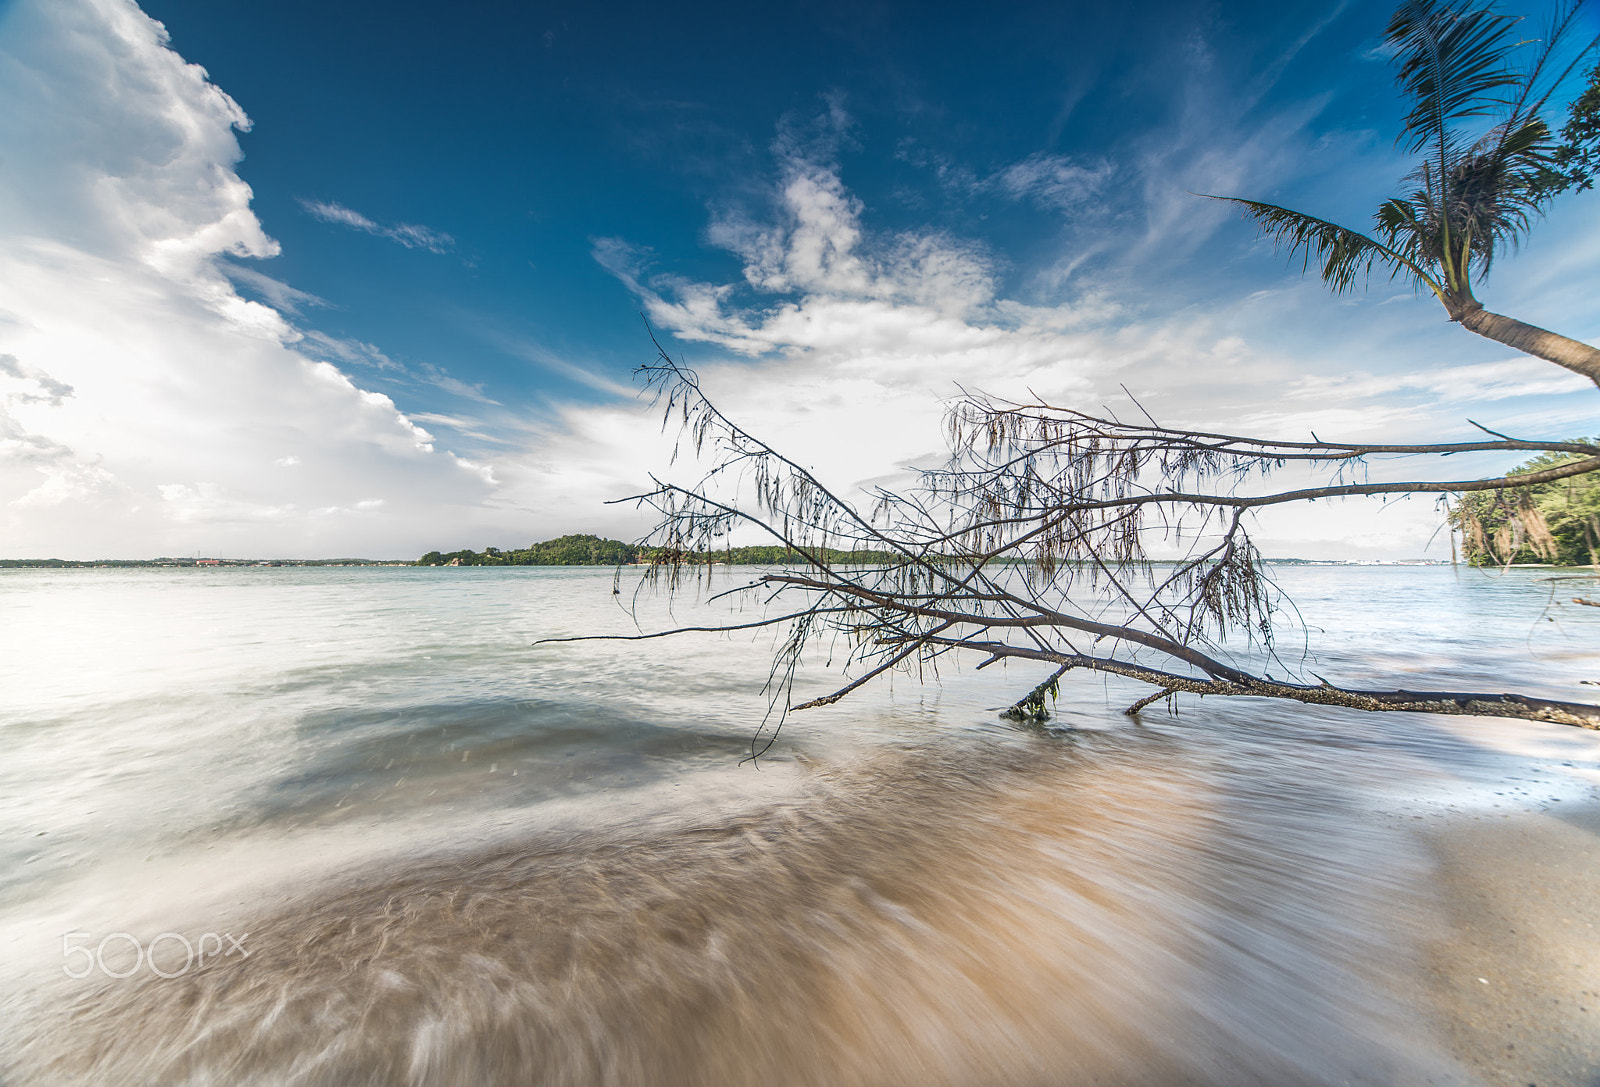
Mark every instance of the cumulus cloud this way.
pixel 839 344
pixel 913 312
pixel 845 291
pixel 409 235
pixel 146 407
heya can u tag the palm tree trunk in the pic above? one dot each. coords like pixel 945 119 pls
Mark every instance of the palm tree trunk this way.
pixel 1530 339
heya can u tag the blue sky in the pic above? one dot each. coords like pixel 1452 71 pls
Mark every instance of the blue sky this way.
pixel 406 317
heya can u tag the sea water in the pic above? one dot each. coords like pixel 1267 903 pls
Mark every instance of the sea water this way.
pixel 353 826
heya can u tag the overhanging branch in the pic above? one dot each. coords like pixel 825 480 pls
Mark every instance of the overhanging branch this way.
pixel 1073 497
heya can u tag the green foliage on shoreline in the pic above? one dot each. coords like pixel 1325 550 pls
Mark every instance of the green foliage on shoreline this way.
pixel 1552 522
pixel 594 551
pixel 564 551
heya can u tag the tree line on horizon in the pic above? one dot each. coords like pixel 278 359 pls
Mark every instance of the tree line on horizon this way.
pixel 582 550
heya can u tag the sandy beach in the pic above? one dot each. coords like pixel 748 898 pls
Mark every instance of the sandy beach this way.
pixel 1513 972
pixel 923 922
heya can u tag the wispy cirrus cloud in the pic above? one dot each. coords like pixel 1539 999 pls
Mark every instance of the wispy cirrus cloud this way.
pixel 48 389
pixel 1051 181
pixel 1054 182
pixel 1481 381
pixel 347 349
pixel 410 235
pixel 438 377
pixel 277 293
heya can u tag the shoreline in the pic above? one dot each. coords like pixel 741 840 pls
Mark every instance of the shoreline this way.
pixel 1511 970
pixel 1089 882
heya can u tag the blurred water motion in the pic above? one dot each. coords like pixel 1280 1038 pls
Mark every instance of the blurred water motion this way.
pixel 456 859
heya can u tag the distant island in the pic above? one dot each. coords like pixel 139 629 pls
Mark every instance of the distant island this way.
pixel 594 551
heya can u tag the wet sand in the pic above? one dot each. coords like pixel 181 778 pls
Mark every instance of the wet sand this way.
pixel 1047 915
pixel 1042 915
pixel 1513 971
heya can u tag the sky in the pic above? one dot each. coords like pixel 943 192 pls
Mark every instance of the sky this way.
pixel 371 279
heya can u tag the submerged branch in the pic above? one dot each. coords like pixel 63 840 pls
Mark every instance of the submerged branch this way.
pixel 1456 703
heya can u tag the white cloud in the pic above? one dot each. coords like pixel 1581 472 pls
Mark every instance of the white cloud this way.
pixel 407 234
pixel 337 213
pixel 816 247
pixel 1054 181
pixel 48 389
pixel 82 485
pixel 439 379
pixel 840 342
pixel 142 399
pixel 456 422
pixel 147 407
pixel 1483 381
pixel 484 472
pixel 346 349
pixel 278 293
pixel 115 147
pixel 211 504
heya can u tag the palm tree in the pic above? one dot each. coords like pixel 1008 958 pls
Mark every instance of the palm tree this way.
pixel 1488 163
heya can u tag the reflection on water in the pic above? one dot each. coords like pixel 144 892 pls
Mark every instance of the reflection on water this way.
pixel 461 860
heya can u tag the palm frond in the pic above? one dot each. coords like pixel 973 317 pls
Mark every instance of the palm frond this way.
pixel 1452 57
pixel 1345 255
pixel 1488 162
pixel 1405 230
pixel 1497 189
pixel 1516 138
pixel 1537 85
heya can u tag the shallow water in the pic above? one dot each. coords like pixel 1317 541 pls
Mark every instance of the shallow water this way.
pixel 453 857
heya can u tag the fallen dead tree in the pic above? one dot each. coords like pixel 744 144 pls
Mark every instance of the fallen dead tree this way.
pixel 1023 545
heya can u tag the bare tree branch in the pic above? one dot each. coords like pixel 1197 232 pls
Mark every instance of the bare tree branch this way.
pixel 1034 534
